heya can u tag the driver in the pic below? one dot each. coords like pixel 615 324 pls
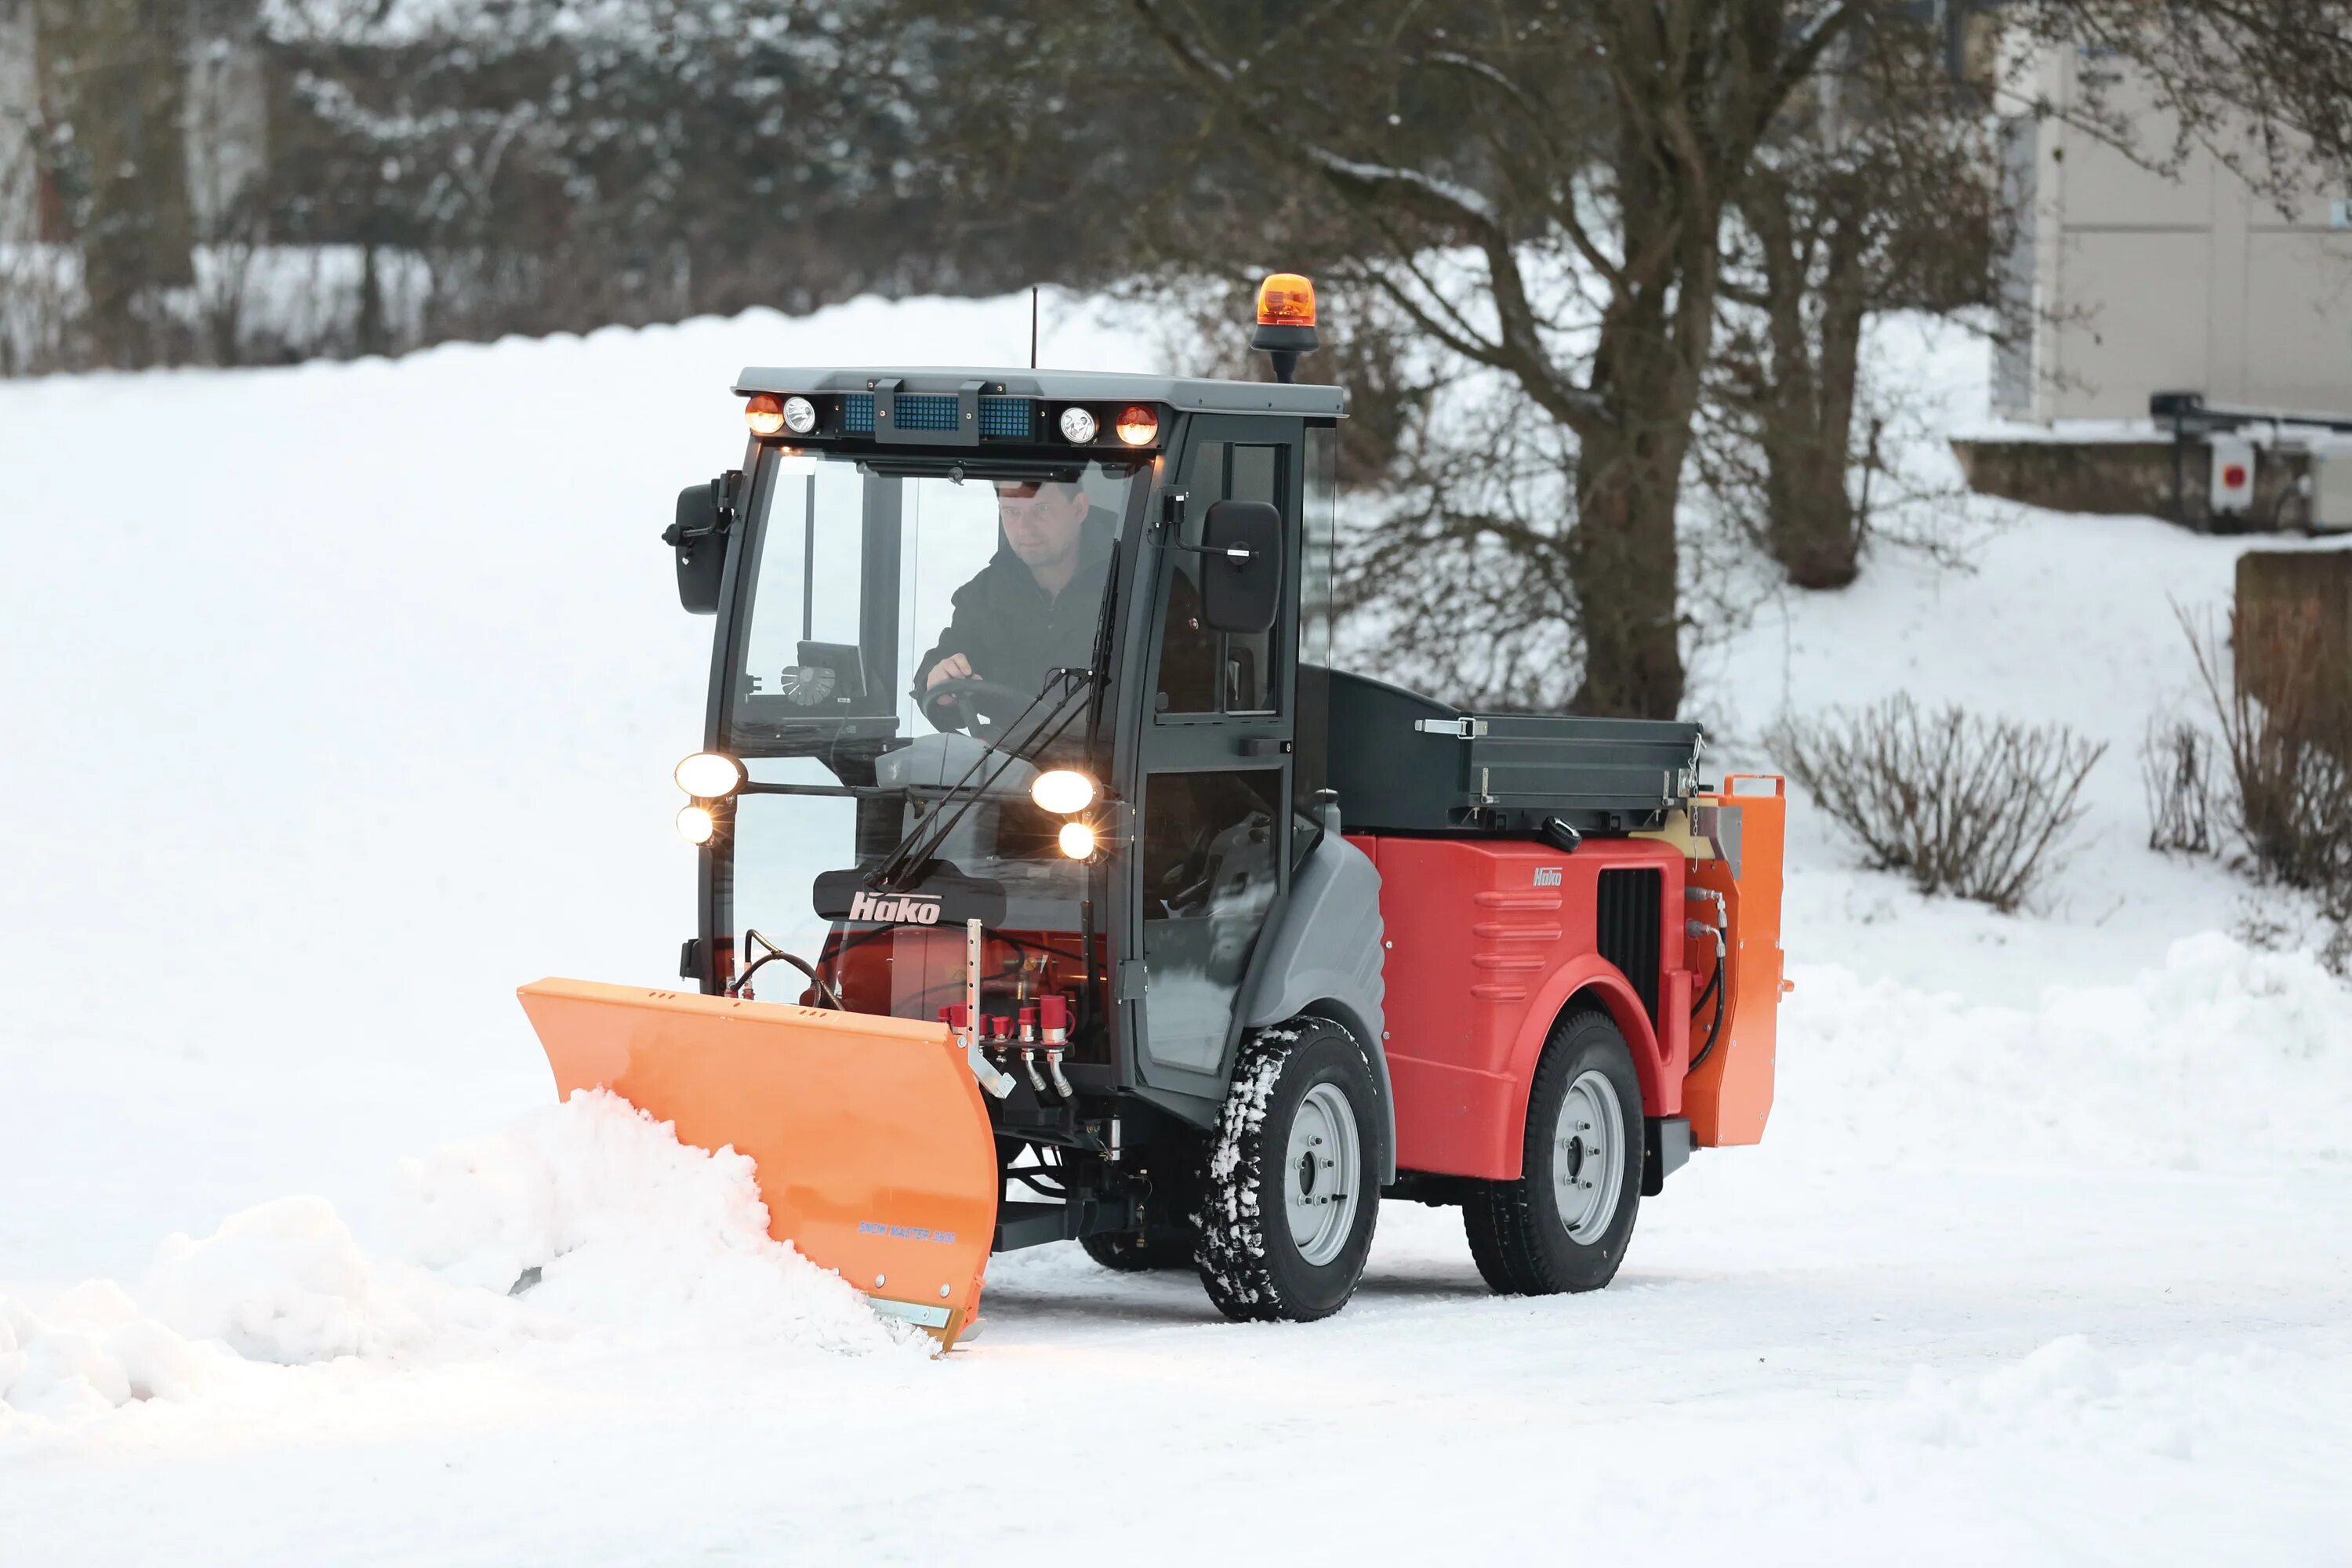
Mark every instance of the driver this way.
pixel 1032 608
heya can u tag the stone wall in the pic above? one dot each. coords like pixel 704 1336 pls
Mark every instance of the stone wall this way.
pixel 2127 478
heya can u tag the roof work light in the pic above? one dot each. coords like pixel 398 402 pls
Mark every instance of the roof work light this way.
pixel 1139 424
pixel 764 413
pixel 1286 323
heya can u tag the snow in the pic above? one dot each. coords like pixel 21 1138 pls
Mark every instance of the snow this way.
pixel 343 698
pixel 586 1222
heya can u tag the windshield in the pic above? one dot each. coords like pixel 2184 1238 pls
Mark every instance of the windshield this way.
pixel 893 627
pixel 883 607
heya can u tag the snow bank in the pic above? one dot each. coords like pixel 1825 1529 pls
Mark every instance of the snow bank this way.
pixel 91 1352
pixel 635 1241
pixel 2073 1393
pixel 2222 1058
pixel 287 1282
pixel 631 1231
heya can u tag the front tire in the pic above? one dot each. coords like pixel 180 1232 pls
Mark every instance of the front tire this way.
pixel 1564 1223
pixel 1292 1192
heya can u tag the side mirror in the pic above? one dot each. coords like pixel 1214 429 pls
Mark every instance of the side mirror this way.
pixel 699 538
pixel 1240 566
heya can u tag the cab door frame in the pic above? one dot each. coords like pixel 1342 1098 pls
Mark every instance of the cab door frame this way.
pixel 1153 743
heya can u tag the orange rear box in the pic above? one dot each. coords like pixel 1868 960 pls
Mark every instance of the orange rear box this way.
pixel 1730 1094
pixel 874 1150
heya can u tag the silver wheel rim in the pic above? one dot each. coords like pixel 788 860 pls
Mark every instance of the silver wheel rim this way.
pixel 1322 1173
pixel 1588 1157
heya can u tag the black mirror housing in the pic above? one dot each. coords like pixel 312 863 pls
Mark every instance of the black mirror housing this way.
pixel 699 537
pixel 1240 566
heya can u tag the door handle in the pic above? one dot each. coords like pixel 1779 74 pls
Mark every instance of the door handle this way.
pixel 1265 746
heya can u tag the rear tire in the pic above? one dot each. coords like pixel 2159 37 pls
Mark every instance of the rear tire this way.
pixel 1292 1191
pixel 1564 1223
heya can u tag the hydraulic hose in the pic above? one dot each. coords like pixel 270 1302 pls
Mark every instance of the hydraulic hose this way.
pixel 824 990
pixel 1715 1028
pixel 1715 985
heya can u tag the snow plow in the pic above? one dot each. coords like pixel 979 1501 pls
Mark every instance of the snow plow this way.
pixel 1054 886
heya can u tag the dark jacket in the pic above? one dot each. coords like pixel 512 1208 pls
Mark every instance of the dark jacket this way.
pixel 1013 631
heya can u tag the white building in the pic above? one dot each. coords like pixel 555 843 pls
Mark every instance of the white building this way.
pixel 2125 281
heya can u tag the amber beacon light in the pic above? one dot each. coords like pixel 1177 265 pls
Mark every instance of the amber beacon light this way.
pixel 1285 299
pixel 1286 323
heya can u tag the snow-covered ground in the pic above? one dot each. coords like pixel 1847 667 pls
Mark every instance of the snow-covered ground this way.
pixel 339 700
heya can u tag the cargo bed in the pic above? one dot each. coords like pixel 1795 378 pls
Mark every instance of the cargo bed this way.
pixel 1402 762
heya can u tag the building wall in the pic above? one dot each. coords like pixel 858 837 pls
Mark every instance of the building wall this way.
pixel 2128 281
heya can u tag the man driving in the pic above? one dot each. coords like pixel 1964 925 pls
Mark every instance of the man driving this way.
pixel 1032 608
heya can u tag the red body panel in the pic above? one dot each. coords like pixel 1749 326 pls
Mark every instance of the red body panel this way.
pixel 1488 940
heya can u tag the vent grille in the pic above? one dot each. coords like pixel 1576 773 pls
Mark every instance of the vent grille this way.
pixel 1625 917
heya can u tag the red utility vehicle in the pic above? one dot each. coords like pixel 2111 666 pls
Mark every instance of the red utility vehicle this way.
pixel 1056 886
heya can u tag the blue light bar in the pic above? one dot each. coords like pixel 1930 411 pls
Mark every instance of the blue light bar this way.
pixel 1001 418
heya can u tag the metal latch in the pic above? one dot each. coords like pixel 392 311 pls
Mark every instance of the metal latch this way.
pixel 1463 729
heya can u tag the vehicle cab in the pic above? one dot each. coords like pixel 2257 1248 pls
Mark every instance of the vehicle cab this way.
pixel 975 627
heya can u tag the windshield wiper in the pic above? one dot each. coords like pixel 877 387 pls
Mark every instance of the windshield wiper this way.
pixel 930 830
pixel 921 841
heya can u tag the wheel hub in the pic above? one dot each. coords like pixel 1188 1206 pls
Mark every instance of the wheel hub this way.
pixel 1588 1158
pixel 1324 1175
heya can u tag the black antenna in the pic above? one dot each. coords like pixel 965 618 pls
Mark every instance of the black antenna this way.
pixel 1032 326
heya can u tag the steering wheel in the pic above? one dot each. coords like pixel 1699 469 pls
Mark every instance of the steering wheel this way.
pixel 957 702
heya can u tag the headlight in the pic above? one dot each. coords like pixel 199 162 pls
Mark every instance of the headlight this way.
pixel 1137 424
pixel 696 824
pixel 763 413
pixel 800 415
pixel 707 775
pixel 1077 840
pixel 1077 425
pixel 1062 791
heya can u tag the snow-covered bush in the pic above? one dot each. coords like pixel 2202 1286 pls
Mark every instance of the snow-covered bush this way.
pixel 1962 804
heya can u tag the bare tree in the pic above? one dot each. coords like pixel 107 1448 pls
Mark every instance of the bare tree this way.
pixel 109 77
pixel 1878 191
pixel 1540 188
pixel 2265 85
pixel 1593 225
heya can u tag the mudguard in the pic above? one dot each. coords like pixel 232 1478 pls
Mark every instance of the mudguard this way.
pixel 873 1146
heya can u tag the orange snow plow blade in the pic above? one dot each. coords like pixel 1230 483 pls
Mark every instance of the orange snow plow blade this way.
pixel 874 1151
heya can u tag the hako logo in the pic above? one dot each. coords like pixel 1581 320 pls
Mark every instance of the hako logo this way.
pixel 1547 876
pixel 904 909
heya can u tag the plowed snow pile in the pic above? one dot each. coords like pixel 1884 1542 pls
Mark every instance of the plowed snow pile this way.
pixel 637 1242
pixel 2224 1059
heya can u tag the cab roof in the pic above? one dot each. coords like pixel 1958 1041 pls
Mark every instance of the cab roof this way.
pixel 1188 394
